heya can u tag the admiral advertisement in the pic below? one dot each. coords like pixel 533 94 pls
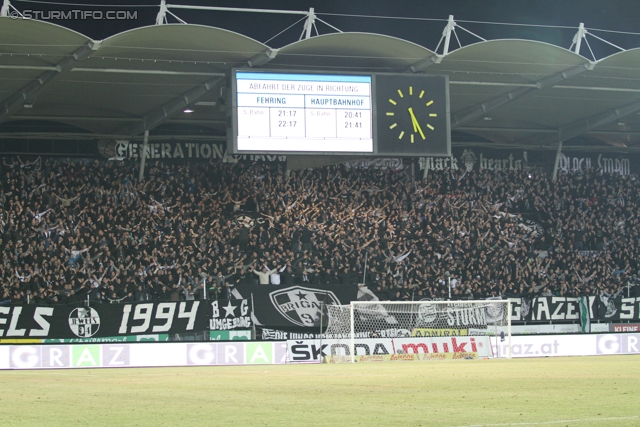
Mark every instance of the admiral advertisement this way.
pixel 103 320
pixel 437 332
pixel 600 308
pixel 294 307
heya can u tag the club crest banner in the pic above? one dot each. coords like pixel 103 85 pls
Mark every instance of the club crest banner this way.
pixel 296 306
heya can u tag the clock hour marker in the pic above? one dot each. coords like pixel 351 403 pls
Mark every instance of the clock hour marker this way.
pixel 412 141
pixel 430 127
pixel 393 125
pixel 401 135
pixel 400 93
pixel 430 102
pixel 392 101
pixel 433 115
pixel 421 94
pixel 390 113
pixel 410 90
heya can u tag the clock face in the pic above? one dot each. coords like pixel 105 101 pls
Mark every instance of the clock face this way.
pixel 418 107
pixel 412 115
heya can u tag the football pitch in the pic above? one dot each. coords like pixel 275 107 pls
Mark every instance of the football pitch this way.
pixel 577 391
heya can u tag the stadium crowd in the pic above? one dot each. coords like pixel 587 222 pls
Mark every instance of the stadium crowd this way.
pixel 77 230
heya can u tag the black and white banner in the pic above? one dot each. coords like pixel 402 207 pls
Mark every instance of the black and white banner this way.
pixel 176 150
pixel 278 335
pixel 230 314
pixel 103 320
pixel 474 158
pixel 294 307
pixel 556 309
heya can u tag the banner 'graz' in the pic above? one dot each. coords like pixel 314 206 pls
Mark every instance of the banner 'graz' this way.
pixel 230 314
pixel 294 306
pixel 104 320
pixel 550 309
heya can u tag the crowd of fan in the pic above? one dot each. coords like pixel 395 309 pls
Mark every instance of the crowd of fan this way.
pixel 77 230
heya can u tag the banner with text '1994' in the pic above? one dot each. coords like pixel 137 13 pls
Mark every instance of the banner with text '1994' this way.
pixel 103 320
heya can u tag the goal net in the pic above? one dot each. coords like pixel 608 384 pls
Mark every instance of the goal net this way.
pixel 377 330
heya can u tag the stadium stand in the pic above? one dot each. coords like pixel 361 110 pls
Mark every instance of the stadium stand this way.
pixel 84 229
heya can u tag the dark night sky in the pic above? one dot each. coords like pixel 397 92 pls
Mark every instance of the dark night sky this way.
pixel 618 15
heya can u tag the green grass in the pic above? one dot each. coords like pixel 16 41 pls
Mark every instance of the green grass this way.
pixel 579 391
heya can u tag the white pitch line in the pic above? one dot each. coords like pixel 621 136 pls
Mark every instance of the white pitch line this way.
pixel 48 372
pixel 76 373
pixel 551 422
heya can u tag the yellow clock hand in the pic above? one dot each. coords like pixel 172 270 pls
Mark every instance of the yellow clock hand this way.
pixel 416 124
pixel 420 130
pixel 413 119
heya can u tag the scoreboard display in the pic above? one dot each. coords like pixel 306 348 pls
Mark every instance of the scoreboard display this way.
pixel 321 113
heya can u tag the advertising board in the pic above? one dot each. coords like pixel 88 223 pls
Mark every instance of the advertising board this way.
pixel 121 355
pixel 570 345
pixel 237 335
pixel 315 350
pixel 521 346
pixel 625 327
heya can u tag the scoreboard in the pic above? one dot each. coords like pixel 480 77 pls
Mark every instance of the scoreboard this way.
pixel 320 113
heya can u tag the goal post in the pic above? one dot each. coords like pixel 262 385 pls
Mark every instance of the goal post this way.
pixel 428 329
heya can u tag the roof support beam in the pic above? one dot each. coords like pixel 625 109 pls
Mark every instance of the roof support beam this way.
pixel 94 136
pixel 426 63
pixel 6 8
pixel 16 101
pixel 446 33
pixel 262 58
pixel 577 39
pixel 477 111
pixel 158 116
pixel 161 18
pixel 309 24
pixel 582 126
pixel 146 72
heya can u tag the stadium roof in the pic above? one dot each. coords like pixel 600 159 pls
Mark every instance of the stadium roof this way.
pixel 504 93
